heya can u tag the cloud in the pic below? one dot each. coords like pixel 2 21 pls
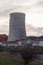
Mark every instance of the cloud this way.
pixel 6 7
pixel 32 31
pixel 4 29
pixel 9 6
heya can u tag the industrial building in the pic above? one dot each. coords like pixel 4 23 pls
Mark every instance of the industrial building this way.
pixel 17 26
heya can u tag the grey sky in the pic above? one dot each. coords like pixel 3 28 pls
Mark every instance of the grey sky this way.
pixel 26 6
pixel 7 6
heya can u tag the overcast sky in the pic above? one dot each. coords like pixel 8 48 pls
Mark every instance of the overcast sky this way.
pixel 32 8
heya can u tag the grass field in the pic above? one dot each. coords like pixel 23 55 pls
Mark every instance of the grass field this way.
pixel 9 60
pixel 12 60
pixel 6 59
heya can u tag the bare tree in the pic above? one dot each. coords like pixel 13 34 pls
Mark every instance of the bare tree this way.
pixel 27 53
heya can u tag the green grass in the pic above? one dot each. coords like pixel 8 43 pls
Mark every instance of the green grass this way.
pixel 9 60
pixel 12 60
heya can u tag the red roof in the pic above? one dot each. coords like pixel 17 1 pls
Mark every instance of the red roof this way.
pixel 3 37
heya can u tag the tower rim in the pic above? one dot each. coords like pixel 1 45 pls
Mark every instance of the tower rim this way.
pixel 17 13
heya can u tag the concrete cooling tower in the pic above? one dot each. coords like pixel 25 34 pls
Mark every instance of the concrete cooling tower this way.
pixel 17 26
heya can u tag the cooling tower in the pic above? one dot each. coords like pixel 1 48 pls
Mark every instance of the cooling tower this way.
pixel 17 26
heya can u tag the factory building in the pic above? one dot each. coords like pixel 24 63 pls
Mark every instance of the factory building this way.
pixel 17 26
